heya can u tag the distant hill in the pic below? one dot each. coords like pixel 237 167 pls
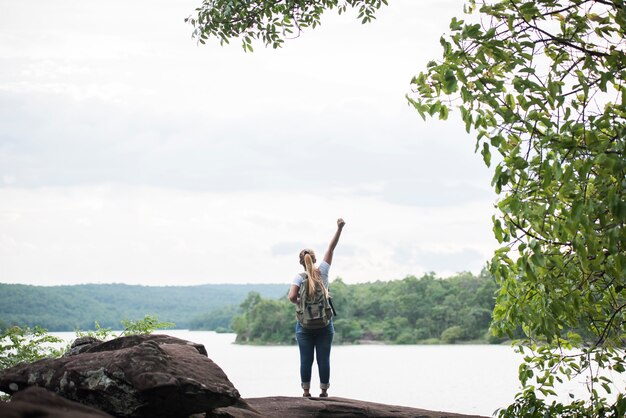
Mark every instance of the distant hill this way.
pixel 66 308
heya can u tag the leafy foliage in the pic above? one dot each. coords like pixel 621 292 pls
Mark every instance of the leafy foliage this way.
pixel 265 321
pixel 147 325
pixel 18 345
pixel 528 405
pixel 98 332
pixel 271 22
pixel 543 84
pixel 407 311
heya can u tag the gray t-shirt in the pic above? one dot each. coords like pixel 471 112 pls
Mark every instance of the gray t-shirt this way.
pixel 323 268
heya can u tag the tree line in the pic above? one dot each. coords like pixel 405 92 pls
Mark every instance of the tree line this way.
pixel 408 311
pixel 67 308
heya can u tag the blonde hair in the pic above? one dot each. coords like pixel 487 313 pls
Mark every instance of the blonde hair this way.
pixel 307 259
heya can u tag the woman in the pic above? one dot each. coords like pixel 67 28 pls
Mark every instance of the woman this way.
pixel 315 341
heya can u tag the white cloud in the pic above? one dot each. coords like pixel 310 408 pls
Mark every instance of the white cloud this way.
pixel 129 153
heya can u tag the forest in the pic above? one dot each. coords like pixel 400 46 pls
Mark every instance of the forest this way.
pixel 426 310
pixel 67 308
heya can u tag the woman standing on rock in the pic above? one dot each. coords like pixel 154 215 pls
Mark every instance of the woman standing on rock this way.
pixel 315 340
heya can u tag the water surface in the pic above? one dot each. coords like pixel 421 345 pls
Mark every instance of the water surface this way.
pixel 468 379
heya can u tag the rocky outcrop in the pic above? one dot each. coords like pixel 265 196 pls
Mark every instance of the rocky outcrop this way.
pixel 38 402
pixel 135 376
pixel 281 406
pixel 158 376
pixel 81 344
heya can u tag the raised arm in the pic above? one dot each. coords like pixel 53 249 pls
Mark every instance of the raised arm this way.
pixel 328 257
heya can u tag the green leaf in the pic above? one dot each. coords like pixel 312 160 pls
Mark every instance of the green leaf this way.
pixel 510 101
pixel 450 84
pixel 486 154
pixel 443 113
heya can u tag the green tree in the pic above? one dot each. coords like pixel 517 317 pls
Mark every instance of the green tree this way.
pixel 19 345
pixel 265 321
pixel 452 334
pixel 406 311
pixel 268 21
pixel 542 84
pixel 347 330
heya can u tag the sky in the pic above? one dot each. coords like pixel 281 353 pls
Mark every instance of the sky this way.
pixel 129 153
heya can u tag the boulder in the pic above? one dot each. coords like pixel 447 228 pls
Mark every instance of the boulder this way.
pixel 134 376
pixel 38 402
pixel 281 406
pixel 93 345
pixel 81 344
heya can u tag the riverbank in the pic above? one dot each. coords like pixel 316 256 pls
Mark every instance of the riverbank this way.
pixel 464 379
pixel 159 376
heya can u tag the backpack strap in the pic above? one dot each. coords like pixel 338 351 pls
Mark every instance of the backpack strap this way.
pixel 330 302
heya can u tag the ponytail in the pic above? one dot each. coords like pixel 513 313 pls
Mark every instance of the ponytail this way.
pixel 313 275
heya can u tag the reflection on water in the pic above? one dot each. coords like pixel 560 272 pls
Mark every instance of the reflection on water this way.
pixel 470 379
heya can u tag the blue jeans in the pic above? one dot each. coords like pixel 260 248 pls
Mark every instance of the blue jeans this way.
pixel 316 341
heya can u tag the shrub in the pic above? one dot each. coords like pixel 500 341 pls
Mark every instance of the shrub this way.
pixel 452 335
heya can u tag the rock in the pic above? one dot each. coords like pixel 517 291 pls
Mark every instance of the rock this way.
pixel 281 406
pixel 241 409
pixel 134 376
pixel 133 340
pixel 81 344
pixel 38 402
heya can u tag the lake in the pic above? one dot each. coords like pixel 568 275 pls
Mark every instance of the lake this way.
pixel 469 379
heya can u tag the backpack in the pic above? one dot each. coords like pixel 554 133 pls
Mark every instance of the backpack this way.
pixel 313 311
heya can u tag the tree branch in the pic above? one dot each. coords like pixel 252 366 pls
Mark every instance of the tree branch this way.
pixel 530 234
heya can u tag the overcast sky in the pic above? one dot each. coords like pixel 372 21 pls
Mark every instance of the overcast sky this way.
pixel 130 154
